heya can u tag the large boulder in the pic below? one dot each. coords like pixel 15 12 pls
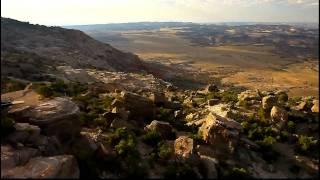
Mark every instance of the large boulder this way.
pixel 63 166
pixel 212 102
pixel 269 101
pixel 315 107
pixel 24 133
pixel 302 106
pixel 282 96
pixel 161 127
pixel 57 117
pixel 210 166
pixel 222 133
pixel 140 107
pixel 11 157
pixel 184 148
pixel 249 95
pixel 279 116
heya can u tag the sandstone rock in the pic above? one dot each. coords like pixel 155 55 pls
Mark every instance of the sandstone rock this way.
pixel 11 157
pixel 86 141
pixel 210 165
pixel 140 107
pixel 24 132
pixel 64 166
pixel 121 113
pixel 188 102
pixel 117 103
pixel 211 88
pixel 158 98
pixel 315 107
pixel 56 117
pixel 249 95
pixel 282 96
pixel 268 102
pixel 184 148
pixel 196 122
pixel 190 117
pixel 223 110
pixel 212 102
pixel 105 151
pixel 119 123
pixel 222 133
pixel 161 127
pixel 279 116
pixel 302 106
pixel 170 87
pixel 19 113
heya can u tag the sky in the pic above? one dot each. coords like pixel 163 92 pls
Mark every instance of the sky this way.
pixel 77 12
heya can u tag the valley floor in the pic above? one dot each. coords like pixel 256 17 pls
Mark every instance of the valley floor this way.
pixel 241 65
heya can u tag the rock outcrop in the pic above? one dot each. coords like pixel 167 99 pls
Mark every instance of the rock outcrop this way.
pixel 269 101
pixel 56 117
pixel 140 107
pixel 64 166
pixel 184 148
pixel 222 133
pixel 279 116
pixel 164 129
pixel 249 95
pixel 315 107
pixel 210 166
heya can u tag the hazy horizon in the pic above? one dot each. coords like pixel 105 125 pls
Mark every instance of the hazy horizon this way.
pixel 81 12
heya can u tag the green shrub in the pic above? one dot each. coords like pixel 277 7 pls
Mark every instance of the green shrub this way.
pixel 255 132
pixel 237 173
pixel 262 114
pixel 9 85
pixel 107 102
pixel 245 125
pixel 197 137
pixel 244 103
pixel 283 97
pixel 164 151
pixel 305 143
pixel 291 125
pixel 126 146
pixel 151 138
pixel 294 101
pixel 45 91
pixel 268 141
pixel 229 96
pixel 284 135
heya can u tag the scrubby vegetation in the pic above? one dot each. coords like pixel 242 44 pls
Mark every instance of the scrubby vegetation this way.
pixel 9 84
pixel 224 96
pixel 60 88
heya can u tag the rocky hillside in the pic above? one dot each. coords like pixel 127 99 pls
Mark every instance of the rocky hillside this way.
pixel 28 49
pixel 70 131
